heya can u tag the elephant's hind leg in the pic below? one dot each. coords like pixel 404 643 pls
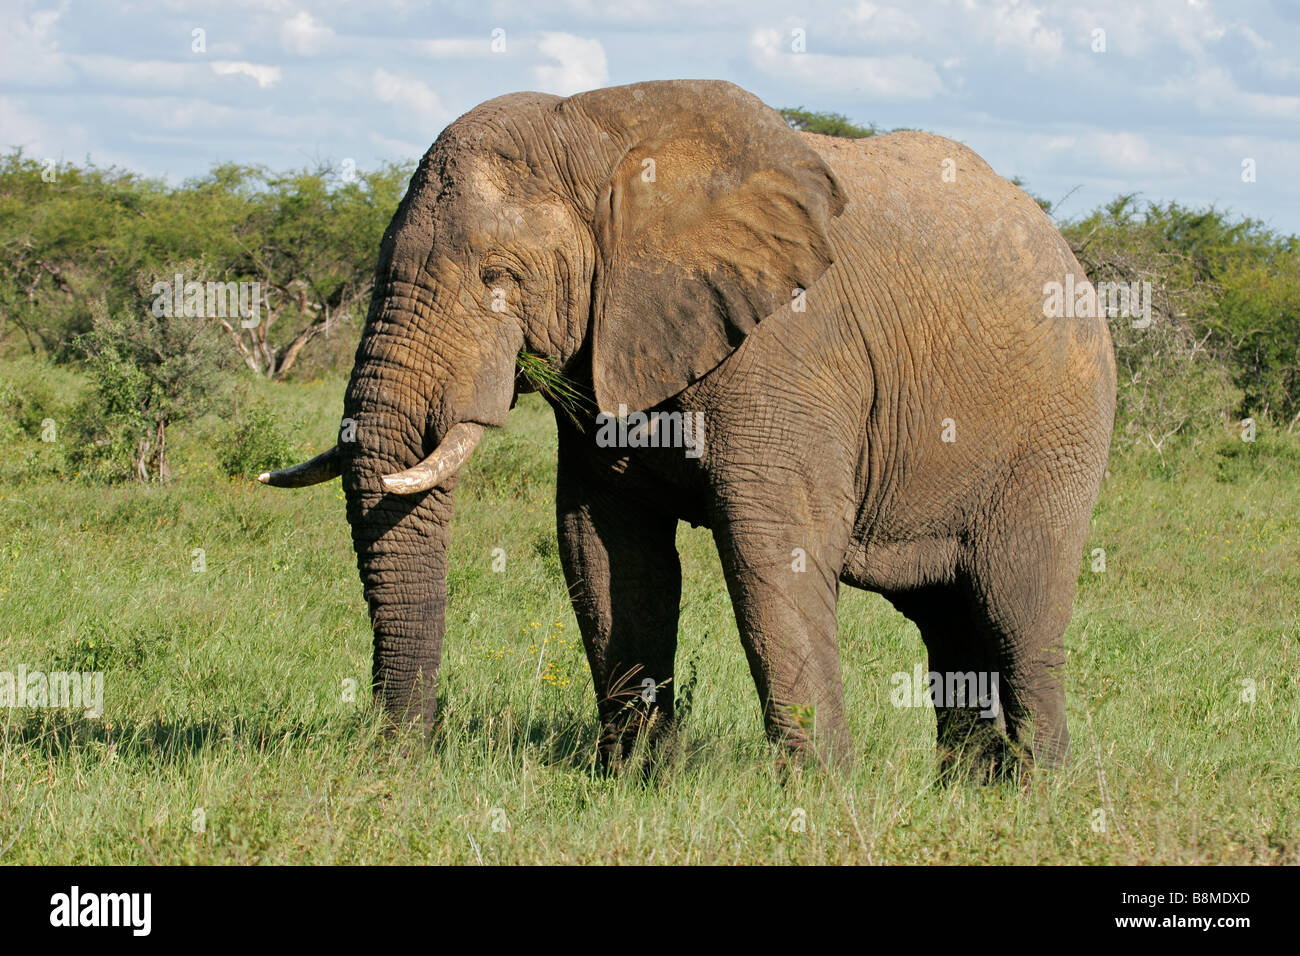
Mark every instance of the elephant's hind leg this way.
pixel 1023 575
pixel 968 721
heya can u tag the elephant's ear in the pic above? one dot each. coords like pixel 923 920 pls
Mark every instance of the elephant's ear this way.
pixel 709 222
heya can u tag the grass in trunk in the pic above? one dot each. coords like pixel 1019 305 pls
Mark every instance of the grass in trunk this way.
pixel 574 400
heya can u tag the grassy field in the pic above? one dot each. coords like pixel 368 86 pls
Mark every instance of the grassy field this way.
pixel 231 734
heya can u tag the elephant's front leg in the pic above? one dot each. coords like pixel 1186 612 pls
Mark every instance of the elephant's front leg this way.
pixel 783 579
pixel 620 562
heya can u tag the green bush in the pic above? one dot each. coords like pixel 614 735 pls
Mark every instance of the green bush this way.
pixel 36 401
pixel 1224 343
pixel 254 443
pixel 79 242
pixel 1224 339
pixel 828 124
pixel 1257 318
pixel 1271 453
pixel 32 395
pixel 1169 390
pixel 148 372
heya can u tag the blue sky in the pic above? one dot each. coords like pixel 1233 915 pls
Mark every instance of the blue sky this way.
pixel 1183 93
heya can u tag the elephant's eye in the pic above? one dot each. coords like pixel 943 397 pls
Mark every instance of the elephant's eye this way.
pixel 498 275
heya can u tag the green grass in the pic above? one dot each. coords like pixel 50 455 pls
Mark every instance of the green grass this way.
pixel 225 689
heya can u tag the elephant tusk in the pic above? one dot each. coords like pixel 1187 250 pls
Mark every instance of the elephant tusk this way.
pixel 443 462
pixel 323 467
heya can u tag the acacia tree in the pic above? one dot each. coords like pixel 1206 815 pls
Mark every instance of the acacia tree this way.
pixel 72 239
pixel 310 243
pixel 75 240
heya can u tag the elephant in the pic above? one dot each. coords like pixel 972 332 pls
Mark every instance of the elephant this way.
pixel 857 330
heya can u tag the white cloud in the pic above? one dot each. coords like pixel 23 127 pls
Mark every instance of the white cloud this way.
pixel 28 49
pixel 1137 29
pixel 876 22
pixel 399 148
pixel 158 115
pixel 182 114
pixel 266 76
pixel 19 129
pixel 305 35
pixel 1284 69
pixel 1179 79
pixel 116 72
pixel 1131 152
pixel 638 11
pixel 888 78
pixel 457 47
pixel 1020 25
pixel 1257 41
pixel 1213 90
pixel 412 98
pixel 580 64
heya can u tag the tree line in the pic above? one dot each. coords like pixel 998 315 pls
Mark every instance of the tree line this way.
pixel 87 254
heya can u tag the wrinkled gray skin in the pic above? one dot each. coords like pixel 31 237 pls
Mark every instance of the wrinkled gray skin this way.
pixel 824 428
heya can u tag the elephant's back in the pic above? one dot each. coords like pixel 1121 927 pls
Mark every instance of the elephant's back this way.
pixel 945 265
pixel 970 251
pixel 932 202
pixel 929 171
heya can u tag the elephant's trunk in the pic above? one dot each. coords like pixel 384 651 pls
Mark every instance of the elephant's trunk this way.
pixel 401 547
pixel 400 539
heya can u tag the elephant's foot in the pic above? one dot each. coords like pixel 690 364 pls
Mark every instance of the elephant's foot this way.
pixel 644 754
pixel 803 738
pixel 980 751
pixel 991 758
pixel 635 733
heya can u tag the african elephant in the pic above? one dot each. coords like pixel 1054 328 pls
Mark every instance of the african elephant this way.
pixel 858 325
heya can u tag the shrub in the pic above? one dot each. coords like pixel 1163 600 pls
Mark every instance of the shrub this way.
pixel 148 373
pixel 35 418
pixel 828 124
pixel 1224 340
pixel 254 443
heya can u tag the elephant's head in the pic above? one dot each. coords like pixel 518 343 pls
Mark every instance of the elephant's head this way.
pixel 632 235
